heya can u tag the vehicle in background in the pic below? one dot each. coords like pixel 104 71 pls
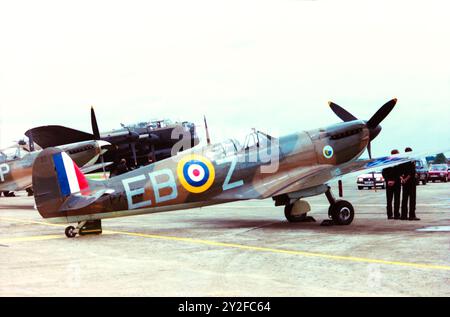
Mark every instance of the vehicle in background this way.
pixel 438 172
pixel 421 172
pixel 368 180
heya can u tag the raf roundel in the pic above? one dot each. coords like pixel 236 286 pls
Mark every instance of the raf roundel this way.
pixel 328 151
pixel 196 173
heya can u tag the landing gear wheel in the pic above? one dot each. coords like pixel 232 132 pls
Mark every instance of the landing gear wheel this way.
pixel 293 218
pixel 70 232
pixel 342 212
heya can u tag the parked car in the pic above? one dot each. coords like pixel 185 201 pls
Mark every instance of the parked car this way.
pixel 421 172
pixel 368 180
pixel 438 172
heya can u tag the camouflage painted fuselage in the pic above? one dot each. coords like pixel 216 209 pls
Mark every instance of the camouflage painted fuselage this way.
pixel 210 175
pixel 15 174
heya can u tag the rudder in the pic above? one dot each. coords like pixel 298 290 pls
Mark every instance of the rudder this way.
pixel 55 177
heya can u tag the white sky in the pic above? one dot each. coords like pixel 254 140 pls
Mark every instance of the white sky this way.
pixel 272 65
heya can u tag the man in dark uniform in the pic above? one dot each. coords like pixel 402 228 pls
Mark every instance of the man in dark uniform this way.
pixel 122 167
pixel 409 189
pixel 391 176
pixel 408 172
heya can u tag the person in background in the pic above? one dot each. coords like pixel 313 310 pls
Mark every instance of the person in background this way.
pixel 393 189
pixel 122 167
pixel 409 189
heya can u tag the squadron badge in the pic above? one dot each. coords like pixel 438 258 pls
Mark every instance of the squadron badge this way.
pixel 328 151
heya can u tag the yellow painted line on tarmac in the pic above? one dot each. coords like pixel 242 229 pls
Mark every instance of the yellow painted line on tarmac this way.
pixel 261 249
pixel 32 221
pixel 291 252
pixel 32 238
pixel 35 238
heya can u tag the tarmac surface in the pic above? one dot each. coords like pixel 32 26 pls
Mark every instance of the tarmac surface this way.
pixel 236 249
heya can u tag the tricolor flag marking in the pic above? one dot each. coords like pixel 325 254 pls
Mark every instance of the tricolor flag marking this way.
pixel 70 178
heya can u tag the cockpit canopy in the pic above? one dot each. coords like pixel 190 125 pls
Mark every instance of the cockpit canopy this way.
pixel 253 140
pixel 224 149
pixel 257 139
pixel 12 153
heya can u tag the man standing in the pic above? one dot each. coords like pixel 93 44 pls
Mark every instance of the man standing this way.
pixel 391 176
pixel 409 189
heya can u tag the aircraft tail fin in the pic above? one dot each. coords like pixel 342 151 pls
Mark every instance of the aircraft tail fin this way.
pixel 59 185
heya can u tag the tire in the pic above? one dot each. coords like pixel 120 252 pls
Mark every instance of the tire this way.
pixel 70 232
pixel 290 217
pixel 424 182
pixel 342 212
pixel 360 187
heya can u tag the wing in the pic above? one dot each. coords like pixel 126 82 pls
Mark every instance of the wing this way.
pixel 383 162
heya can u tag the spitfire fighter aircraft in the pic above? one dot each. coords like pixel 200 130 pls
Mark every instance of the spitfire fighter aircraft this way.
pixel 16 163
pixel 286 169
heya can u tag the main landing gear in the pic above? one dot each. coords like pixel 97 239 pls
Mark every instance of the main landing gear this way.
pixel 340 212
pixel 84 228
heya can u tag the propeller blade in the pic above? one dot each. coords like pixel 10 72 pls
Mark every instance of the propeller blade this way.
pixel 369 150
pixel 381 114
pixel 96 133
pixel 208 140
pixel 341 112
pixel 94 124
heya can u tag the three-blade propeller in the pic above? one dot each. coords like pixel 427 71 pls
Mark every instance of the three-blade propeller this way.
pixel 373 124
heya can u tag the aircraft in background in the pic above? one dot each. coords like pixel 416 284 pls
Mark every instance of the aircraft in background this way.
pixel 16 162
pixel 140 144
pixel 216 174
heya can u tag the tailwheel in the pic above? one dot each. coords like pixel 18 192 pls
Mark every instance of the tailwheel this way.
pixel 342 212
pixel 70 232
pixel 84 228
